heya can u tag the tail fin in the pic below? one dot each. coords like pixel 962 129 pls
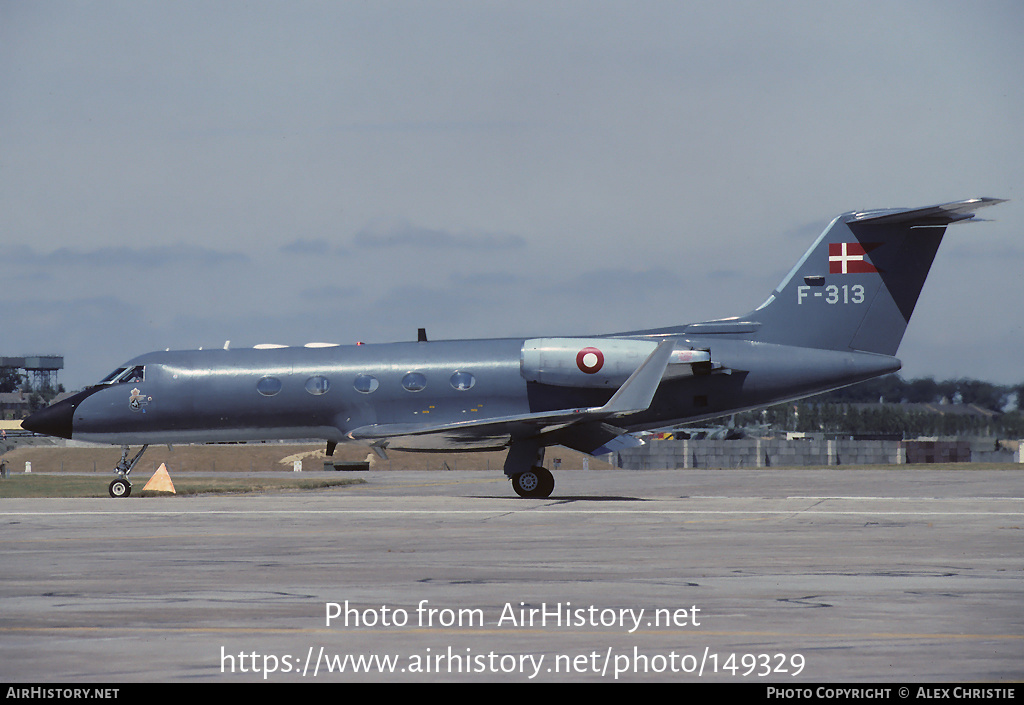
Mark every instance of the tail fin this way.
pixel 857 285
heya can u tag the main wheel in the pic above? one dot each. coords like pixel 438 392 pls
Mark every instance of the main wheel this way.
pixel 536 482
pixel 120 488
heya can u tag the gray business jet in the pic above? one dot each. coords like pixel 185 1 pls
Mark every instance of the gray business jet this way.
pixel 836 319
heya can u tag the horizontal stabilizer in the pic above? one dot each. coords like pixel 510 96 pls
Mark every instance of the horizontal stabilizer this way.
pixel 942 214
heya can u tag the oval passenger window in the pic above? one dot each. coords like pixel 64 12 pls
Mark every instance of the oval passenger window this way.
pixel 414 382
pixel 268 386
pixel 365 384
pixel 317 385
pixel 462 381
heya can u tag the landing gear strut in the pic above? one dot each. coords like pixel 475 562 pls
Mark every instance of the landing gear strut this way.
pixel 121 487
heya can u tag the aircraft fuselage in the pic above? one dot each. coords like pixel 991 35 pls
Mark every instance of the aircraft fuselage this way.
pixel 328 392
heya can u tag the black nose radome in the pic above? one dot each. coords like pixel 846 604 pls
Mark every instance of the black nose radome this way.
pixel 54 420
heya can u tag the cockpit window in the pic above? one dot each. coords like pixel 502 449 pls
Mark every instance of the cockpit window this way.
pixel 126 374
pixel 109 379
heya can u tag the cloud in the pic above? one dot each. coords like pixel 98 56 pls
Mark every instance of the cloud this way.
pixel 301 246
pixel 400 233
pixel 329 293
pixel 638 282
pixel 120 257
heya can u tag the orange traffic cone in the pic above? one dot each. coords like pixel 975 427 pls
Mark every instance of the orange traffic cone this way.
pixel 161 481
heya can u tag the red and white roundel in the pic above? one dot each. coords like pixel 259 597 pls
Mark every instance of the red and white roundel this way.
pixel 589 360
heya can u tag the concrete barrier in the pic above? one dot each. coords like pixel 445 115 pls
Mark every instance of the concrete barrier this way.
pixel 770 452
pixel 758 453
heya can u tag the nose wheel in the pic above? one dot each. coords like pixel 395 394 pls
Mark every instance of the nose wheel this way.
pixel 120 488
pixel 537 482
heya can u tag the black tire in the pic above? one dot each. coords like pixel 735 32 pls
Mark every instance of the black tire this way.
pixel 547 482
pixel 119 488
pixel 534 483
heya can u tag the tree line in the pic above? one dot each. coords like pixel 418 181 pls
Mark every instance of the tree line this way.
pixel 889 406
pixel 927 390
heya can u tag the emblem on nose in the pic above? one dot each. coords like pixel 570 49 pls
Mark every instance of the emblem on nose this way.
pixel 138 401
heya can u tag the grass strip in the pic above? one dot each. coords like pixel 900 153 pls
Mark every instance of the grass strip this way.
pixel 82 486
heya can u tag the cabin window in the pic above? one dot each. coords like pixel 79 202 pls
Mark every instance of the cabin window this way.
pixel 268 386
pixel 317 385
pixel 366 384
pixel 462 381
pixel 414 382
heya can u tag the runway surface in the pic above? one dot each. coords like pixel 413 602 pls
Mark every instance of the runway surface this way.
pixel 781 576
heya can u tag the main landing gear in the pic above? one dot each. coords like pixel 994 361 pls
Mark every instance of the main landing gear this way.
pixel 523 467
pixel 121 487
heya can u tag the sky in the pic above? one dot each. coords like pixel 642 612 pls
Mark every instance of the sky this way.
pixel 177 175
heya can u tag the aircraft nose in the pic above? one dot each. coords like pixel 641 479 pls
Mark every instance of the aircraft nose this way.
pixel 54 420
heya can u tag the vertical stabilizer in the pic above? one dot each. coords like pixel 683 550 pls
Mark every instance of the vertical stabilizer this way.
pixel 858 284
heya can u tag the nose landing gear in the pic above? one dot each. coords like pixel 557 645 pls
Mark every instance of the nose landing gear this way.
pixel 120 486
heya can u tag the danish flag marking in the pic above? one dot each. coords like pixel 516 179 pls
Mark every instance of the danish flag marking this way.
pixel 848 258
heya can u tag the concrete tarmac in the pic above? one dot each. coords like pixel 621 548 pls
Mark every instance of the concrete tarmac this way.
pixel 771 576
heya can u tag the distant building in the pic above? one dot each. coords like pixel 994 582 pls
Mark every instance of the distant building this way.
pixel 13 405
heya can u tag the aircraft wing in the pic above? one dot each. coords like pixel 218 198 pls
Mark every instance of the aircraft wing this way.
pixel 633 396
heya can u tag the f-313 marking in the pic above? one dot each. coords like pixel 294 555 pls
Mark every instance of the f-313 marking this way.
pixel 833 294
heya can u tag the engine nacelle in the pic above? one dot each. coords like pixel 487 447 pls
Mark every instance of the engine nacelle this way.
pixel 592 362
pixel 583 362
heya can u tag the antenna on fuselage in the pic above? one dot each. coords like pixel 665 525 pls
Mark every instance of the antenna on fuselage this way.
pixel 421 335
